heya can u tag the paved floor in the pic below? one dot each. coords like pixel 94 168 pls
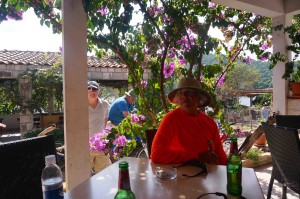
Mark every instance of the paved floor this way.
pixel 263 174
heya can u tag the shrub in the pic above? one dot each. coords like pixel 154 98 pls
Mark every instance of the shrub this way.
pixel 254 154
pixel 58 134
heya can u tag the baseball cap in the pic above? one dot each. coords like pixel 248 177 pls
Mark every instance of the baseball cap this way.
pixel 93 84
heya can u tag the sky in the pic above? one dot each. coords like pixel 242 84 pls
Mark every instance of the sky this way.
pixel 28 35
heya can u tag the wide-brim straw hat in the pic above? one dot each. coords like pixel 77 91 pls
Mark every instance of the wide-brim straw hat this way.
pixel 189 82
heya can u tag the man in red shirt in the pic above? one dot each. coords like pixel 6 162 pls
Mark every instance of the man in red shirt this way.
pixel 185 132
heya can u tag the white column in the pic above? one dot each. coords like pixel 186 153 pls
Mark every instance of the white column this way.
pixel 75 92
pixel 280 85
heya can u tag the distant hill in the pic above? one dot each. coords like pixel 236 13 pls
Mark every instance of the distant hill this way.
pixel 265 80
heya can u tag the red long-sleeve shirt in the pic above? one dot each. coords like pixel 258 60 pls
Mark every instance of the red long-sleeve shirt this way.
pixel 181 137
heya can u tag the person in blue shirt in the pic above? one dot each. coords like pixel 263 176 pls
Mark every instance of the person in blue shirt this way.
pixel 265 111
pixel 121 107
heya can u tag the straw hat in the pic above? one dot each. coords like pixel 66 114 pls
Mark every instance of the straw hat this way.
pixel 189 82
pixel 131 94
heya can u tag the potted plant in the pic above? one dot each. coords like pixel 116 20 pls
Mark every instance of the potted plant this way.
pixel 292 68
pixel 295 82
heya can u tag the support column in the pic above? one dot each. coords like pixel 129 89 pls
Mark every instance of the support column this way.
pixel 75 93
pixel 26 117
pixel 280 85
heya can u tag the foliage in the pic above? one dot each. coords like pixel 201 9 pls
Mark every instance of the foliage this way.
pixel 46 85
pixel 57 133
pixel 241 77
pixel 167 33
pixel 261 99
pixel 10 97
pixel 122 139
pixel 254 154
pixel 292 71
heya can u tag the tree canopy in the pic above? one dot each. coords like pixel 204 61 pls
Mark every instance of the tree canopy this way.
pixel 170 38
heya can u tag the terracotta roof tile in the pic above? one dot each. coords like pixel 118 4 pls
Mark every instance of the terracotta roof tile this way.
pixel 49 58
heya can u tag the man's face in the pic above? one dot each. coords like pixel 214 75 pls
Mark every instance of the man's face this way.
pixel 187 99
pixel 130 100
pixel 92 92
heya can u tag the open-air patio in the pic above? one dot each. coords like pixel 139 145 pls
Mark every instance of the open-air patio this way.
pixel 74 56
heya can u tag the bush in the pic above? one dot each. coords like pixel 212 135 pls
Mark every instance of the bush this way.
pixel 58 134
pixel 254 154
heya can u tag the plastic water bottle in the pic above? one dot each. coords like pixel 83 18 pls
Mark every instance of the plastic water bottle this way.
pixel 52 180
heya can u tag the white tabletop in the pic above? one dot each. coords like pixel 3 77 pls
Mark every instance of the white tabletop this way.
pixel 146 185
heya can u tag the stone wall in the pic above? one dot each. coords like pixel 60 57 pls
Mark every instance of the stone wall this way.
pixel 293 107
pixel 12 71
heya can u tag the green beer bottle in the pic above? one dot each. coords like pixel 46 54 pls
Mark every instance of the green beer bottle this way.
pixel 124 190
pixel 234 170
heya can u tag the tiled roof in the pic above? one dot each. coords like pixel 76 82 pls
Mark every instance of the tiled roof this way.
pixel 49 58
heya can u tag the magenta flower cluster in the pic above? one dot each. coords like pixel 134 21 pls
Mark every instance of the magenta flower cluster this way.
pixel 169 69
pixel 155 10
pixel 99 141
pixel 238 132
pixel 144 84
pixel 265 46
pixel 221 80
pixel 135 118
pixel 103 11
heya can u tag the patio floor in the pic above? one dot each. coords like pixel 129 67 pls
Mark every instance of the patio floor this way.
pixel 263 174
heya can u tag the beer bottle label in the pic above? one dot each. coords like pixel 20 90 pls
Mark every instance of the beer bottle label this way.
pixel 124 182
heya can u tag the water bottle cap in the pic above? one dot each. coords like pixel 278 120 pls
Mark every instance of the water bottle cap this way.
pixel 50 159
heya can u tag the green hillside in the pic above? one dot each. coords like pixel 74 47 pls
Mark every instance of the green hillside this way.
pixel 265 79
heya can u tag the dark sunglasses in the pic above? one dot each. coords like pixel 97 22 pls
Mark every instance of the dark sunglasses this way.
pixel 92 89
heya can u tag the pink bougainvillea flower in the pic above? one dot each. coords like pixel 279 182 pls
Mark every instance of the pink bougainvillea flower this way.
pixel 265 46
pixel 120 141
pixel 201 78
pixel 154 10
pixel 263 58
pixel 144 84
pixel 182 61
pixel 248 60
pixel 169 69
pixel 211 5
pixel 159 54
pixel 171 54
pixel 60 49
pixel 134 118
pixel 221 80
pixel 103 11
pixel 135 57
pixel 166 19
pixel 142 117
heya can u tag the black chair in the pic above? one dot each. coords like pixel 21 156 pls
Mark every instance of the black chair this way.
pixel 290 121
pixel 284 145
pixel 145 151
pixel 149 138
pixel 21 165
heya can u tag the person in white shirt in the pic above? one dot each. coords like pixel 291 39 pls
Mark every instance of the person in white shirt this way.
pixel 98 116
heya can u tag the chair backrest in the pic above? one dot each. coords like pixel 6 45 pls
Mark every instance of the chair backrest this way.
pixel 149 139
pixel 290 121
pixel 284 145
pixel 21 165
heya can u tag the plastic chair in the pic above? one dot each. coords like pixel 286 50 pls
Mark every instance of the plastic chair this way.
pixel 21 165
pixel 284 145
pixel 290 121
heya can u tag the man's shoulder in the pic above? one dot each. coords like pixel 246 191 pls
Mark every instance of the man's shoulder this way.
pixel 103 102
